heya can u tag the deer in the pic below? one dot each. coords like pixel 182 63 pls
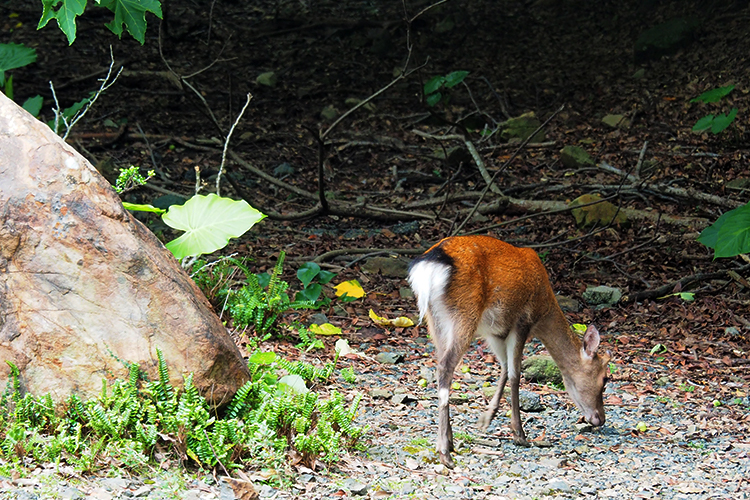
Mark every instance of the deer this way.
pixel 479 286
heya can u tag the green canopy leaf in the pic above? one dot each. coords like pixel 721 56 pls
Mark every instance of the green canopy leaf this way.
pixel 730 234
pixel 14 55
pixel 65 15
pixel 209 222
pixel 132 14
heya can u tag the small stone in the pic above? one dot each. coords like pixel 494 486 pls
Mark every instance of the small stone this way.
pixel 389 358
pixel 386 266
pixel 267 491
pixel 355 487
pixel 541 369
pixel 403 398
pixel 143 491
pixel 70 493
pixel 318 319
pixel 427 373
pixel 583 427
pixel 568 304
pixel 553 463
pixel 602 295
pixel 381 394
pixel 191 495
pixel 23 481
pixel 575 157
pixel 530 401
pixel 440 469
pixel 582 449
pixel 542 443
pixel 103 494
pixel 559 485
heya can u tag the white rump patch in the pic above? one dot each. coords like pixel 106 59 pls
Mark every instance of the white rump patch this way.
pixel 429 280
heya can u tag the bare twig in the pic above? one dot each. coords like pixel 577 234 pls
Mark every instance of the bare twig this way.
pixel 640 159
pixel 105 85
pixel 502 168
pixel 228 138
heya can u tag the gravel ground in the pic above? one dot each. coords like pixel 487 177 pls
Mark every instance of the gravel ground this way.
pixel 652 446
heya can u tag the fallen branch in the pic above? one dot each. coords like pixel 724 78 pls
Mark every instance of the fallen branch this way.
pixel 665 290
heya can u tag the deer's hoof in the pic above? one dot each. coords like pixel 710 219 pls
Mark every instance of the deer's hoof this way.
pixel 521 441
pixel 484 422
pixel 445 459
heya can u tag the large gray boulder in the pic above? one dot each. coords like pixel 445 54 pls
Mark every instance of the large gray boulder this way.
pixel 84 286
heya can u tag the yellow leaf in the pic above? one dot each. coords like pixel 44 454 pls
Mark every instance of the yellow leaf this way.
pixel 578 328
pixel 325 329
pixel 351 288
pixel 379 320
pixel 400 322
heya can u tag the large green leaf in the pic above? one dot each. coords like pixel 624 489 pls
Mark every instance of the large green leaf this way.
pixel 14 55
pixel 730 234
pixel 209 222
pixel 132 14
pixel 714 95
pixel 65 15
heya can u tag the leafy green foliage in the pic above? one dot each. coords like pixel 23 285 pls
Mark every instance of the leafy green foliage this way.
pixel 308 340
pixel 714 95
pixel 436 84
pixel 267 418
pixel 68 114
pixel 128 13
pixel 215 278
pixel 715 123
pixel 313 278
pixel 730 234
pixel 255 304
pixel 131 178
pixel 12 56
pixel 209 222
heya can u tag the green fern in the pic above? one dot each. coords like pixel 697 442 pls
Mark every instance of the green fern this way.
pixel 255 305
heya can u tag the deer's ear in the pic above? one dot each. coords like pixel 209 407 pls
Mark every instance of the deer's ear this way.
pixel 591 341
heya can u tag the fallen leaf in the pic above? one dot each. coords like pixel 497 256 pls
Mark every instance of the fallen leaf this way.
pixel 351 288
pixel 400 322
pixel 325 329
pixel 243 490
